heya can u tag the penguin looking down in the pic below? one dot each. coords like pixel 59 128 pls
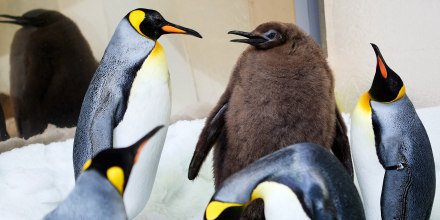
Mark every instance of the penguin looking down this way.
pixel 280 93
pixel 128 95
pixel 99 188
pixel 302 181
pixel 391 150
pixel 51 67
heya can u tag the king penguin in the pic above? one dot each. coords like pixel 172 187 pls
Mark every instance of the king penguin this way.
pixel 99 188
pixel 51 67
pixel 280 93
pixel 302 181
pixel 128 95
pixel 391 150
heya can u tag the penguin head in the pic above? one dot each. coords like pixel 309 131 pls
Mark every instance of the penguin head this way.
pixel 387 85
pixel 35 18
pixel 150 23
pixel 276 34
pixel 115 164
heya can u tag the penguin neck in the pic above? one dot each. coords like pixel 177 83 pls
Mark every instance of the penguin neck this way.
pixel 155 65
pixel 127 48
pixel 280 202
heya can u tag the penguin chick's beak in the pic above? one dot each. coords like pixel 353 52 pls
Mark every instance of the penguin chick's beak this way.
pixel 16 20
pixel 170 28
pixel 253 39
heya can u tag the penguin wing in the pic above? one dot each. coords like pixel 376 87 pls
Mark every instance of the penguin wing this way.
pixel 209 136
pixel 107 115
pixel 390 155
pixel 341 145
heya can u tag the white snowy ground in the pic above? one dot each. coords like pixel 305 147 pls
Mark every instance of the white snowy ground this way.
pixel 33 179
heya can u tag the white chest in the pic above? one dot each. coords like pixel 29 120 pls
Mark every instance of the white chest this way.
pixel 369 171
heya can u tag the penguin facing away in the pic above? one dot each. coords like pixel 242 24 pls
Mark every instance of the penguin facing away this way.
pixel 51 67
pixel 280 93
pixel 127 96
pixel 391 150
pixel 99 189
pixel 302 181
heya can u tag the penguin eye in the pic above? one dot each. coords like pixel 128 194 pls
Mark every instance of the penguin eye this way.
pixel 272 34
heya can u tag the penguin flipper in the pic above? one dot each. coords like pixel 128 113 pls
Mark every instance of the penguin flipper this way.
pixel 341 145
pixel 209 136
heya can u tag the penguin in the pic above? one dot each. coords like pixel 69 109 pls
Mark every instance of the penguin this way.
pixel 391 150
pixel 129 93
pixel 99 189
pixel 301 181
pixel 51 67
pixel 3 132
pixel 279 93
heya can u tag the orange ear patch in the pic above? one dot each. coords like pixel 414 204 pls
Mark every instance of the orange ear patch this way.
pixel 140 150
pixel 382 68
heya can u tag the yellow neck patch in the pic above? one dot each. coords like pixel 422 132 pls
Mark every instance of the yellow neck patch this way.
pixel 400 95
pixel 116 177
pixel 215 208
pixel 87 164
pixel 364 103
pixel 136 17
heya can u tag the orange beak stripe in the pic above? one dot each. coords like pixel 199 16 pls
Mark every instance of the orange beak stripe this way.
pixel 171 29
pixel 140 150
pixel 382 68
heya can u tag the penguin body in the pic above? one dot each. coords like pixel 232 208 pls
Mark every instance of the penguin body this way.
pixel 391 151
pixel 51 67
pixel 128 94
pixel 99 188
pixel 280 93
pixel 93 197
pixel 302 181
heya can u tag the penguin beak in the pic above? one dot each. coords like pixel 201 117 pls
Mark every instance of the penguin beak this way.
pixel 170 28
pixel 16 20
pixel 253 39
pixel 380 62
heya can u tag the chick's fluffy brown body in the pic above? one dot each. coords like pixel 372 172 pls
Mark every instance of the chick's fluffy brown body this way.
pixel 278 97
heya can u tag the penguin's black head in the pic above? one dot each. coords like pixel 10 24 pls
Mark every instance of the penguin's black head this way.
pixel 151 24
pixel 115 164
pixel 35 18
pixel 387 85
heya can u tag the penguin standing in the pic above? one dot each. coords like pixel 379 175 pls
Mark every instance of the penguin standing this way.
pixel 128 94
pixel 99 188
pixel 391 150
pixel 51 68
pixel 302 181
pixel 280 93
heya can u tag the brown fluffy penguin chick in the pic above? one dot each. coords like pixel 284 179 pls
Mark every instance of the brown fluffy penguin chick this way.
pixel 51 67
pixel 281 92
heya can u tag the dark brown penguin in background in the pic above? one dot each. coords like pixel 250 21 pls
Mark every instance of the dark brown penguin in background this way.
pixel 51 68
pixel 280 93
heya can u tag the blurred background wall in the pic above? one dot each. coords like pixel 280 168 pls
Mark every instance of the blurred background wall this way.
pixel 199 68
pixel 406 32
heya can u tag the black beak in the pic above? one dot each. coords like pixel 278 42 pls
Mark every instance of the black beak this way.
pixel 170 28
pixel 253 39
pixel 16 20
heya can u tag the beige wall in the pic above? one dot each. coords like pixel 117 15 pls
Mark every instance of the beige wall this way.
pixel 199 68
pixel 407 32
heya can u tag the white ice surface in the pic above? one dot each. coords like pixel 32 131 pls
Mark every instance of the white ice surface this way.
pixel 35 178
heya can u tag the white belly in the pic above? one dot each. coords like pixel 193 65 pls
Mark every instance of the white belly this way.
pixel 369 171
pixel 149 105
pixel 280 202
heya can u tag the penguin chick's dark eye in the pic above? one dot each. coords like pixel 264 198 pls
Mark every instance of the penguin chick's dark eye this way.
pixel 272 34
